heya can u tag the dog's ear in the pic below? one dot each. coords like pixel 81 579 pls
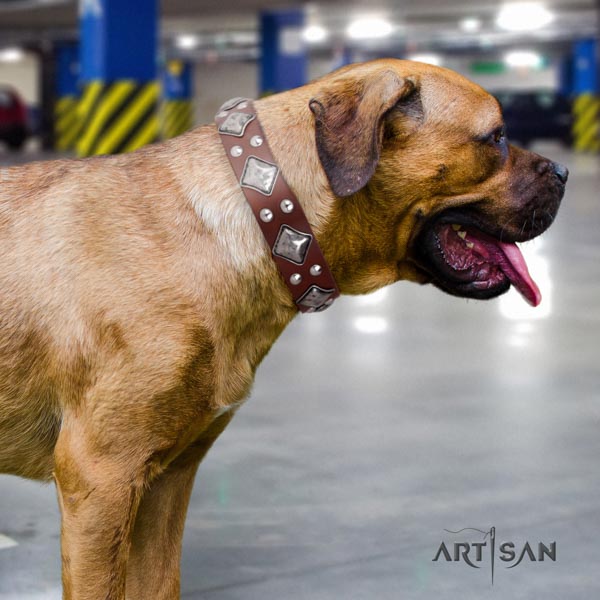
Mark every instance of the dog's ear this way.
pixel 349 126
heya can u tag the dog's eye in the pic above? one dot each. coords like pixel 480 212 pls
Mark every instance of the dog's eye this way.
pixel 499 136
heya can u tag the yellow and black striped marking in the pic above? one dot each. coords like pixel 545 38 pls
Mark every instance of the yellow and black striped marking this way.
pixel 118 117
pixel 176 117
pixel 586 125
pixel 66 123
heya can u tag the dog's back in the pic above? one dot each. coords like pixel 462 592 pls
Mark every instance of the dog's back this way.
pixel 88 276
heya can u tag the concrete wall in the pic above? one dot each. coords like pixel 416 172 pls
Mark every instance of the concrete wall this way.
pixel 23 76
pixel 216 82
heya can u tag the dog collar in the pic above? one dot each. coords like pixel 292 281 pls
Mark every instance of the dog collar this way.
pixel 278 213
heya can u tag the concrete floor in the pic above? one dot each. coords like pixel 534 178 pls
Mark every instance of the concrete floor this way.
pixel 420 412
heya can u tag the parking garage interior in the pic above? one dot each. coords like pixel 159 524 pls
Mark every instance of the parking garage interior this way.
pixel 376 429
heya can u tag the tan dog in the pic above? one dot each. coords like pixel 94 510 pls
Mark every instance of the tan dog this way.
pixel 138 296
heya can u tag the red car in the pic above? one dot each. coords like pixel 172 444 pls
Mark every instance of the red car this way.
pixel 13 118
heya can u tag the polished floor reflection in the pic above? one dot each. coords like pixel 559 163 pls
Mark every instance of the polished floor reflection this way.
pixel 377 425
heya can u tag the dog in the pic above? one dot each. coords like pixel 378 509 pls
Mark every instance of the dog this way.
pixel 138 294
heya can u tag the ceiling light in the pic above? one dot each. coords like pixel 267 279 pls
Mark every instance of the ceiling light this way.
pixel 470 24
pixel 11 55
pixel 523 16
pixel 524 59
pixel 314 34
pixel 369 28
pixel 430 59
pixel 187 41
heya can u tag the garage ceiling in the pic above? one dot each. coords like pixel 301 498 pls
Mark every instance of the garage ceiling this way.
pixel 420 21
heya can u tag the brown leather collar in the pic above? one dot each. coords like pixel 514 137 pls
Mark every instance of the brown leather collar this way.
pixel 294 247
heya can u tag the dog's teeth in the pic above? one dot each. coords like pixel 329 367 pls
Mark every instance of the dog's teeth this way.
pixel 456 227
pixel 461 234
pixel 470 245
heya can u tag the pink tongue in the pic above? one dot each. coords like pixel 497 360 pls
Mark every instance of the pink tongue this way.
pixel 518 273
pixel 509 259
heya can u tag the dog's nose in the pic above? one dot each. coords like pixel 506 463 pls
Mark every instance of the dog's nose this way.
pixel 561 172
pixel 547 166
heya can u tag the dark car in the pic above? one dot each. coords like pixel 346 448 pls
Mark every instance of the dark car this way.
pixel 536 114
pixel 13 118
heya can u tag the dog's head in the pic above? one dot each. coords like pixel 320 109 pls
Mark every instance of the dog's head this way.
pixel 427 186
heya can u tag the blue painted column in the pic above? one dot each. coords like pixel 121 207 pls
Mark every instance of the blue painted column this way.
pixel 586 106
pixel 66 120
pixel 284 59
pixel 177 112
pixel 119 45
pixel 566 75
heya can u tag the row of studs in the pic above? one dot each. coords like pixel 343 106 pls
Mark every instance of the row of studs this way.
pixel 287 206
pixel 256 141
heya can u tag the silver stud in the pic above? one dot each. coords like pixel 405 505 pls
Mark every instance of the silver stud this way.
pixel 266 215
pixel 236 151
pixel 287 206
pixel 235 124
pixel 292 245
pixel 295 279
pixel 259 175
pixel 222 115
pixel 316 270
pixel 256 141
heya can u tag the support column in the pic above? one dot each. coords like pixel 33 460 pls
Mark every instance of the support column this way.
pixel 284 62
pixel 47 87
pixel 177 114
pixel 586 106
pixel 565 76
pixel 66 121
pixel 119 105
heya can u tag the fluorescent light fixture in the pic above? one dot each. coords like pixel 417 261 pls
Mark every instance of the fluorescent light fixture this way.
pixel 526 59
pixel 187 41
pixel 524 16
pixel 313 34
pixel 11 55
pixel 369 28
pixel 371 324
pixel 470 24
pixel 430 59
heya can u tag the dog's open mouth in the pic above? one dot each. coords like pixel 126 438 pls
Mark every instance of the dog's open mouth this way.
pixel 465 261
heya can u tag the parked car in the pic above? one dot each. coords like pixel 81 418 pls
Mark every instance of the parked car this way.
pixel 536 114
pixel 13 118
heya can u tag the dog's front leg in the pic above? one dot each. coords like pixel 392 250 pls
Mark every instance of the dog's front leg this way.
pixel 99 493
pixel 154 560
